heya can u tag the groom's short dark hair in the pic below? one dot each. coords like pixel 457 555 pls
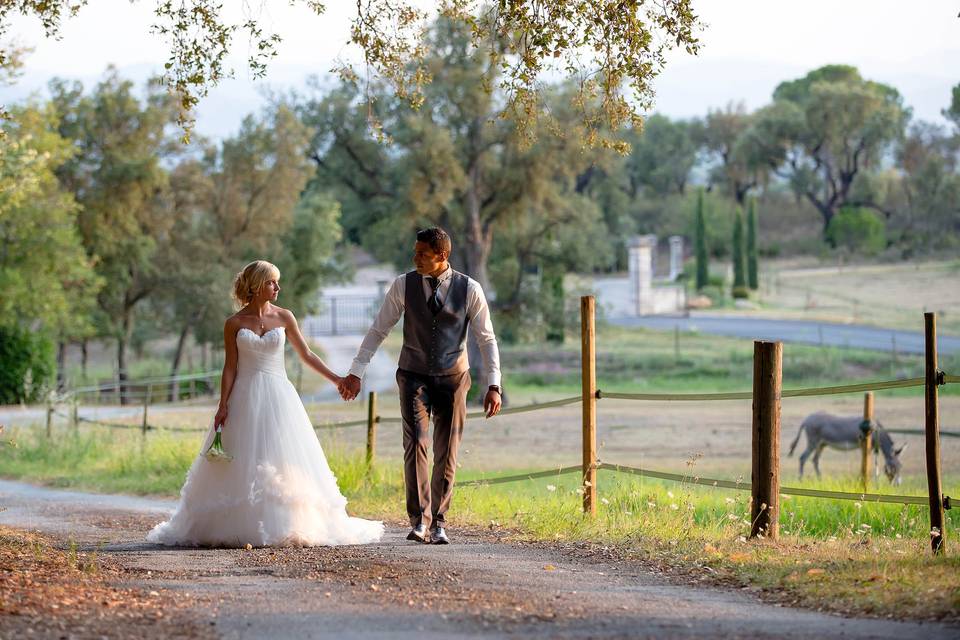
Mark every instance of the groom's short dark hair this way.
pixel 437 238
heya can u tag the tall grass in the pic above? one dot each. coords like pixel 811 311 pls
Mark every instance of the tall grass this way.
pixel 108 460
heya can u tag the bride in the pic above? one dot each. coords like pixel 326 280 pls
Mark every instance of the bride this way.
pixel 278 489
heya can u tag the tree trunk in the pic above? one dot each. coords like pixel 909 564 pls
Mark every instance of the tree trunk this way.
pixel 61 364
pixel 477 243
pixel 83 360
pixel 123 339
pixel 177 355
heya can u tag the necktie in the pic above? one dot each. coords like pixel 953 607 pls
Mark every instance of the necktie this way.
pixel 433 302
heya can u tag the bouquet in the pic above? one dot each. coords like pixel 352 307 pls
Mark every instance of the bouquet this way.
pixel 215 452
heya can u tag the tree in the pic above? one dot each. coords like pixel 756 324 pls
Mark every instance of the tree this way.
pixel 308 251
pixel 753 280
pixel 47 281
pixel 607 47
pixel 238 201
pixel 739 259
pixel 929 181
pixel 118 179
pixel 700 242
pixel 824 131
pixel 455 165
pixel 662 153
pixel 724 134
pixel 952 112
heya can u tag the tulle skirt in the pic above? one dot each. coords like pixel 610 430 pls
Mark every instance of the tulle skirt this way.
pixel 277 491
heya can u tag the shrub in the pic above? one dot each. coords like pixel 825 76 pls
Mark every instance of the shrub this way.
pixel 28 365
pixel 857 229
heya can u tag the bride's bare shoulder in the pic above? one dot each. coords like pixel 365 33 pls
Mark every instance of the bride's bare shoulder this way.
pixel 285 314
pixel 233 322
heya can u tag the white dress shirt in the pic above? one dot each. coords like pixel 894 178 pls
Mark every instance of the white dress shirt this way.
pixel 478 314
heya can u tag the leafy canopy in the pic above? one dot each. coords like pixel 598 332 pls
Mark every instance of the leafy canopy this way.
pixel 613 49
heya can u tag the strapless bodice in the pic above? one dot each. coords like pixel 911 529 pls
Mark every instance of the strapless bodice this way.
pixel 260 354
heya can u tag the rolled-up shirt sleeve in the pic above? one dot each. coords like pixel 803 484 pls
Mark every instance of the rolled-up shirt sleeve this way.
pixel 390 312
pixel 481 326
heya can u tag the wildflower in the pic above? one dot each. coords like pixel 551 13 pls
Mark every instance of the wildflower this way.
pixel 730 500
pixel 670 494
pixel 551 487
pixel 215 451
pixel 652 505
pixel 604 501
pixel 674 506
pixel 732 516
pixel 865 526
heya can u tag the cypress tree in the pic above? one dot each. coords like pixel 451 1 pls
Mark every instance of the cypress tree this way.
pixel 739 262
pixel 700 242
pixel 753 279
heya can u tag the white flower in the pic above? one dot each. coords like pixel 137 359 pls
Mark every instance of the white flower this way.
pixel 551 487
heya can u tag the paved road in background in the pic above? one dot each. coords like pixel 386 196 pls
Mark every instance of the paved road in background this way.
pixel 797 331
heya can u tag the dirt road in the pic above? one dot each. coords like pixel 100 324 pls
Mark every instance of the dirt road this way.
pixel 480 586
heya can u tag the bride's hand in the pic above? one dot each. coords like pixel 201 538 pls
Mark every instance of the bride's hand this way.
pixel 221 416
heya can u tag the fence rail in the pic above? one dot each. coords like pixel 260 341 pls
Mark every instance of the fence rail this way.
pixel 766 395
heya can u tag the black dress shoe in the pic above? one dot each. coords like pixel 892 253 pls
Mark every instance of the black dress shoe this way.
pixel 438 536
pixel 418 533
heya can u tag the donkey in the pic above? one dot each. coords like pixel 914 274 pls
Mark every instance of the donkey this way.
pixel 826 430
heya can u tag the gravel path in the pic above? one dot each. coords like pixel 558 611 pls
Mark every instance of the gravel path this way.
pixel 479 586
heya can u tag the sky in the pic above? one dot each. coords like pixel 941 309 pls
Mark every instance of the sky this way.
pixel 749 46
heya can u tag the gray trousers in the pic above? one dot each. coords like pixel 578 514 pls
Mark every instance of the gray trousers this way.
pixel 428 496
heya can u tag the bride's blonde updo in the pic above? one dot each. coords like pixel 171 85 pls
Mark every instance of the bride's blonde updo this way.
pixel 253 276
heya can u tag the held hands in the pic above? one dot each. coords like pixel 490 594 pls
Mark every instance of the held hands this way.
pixel 349 387
pixel 492 402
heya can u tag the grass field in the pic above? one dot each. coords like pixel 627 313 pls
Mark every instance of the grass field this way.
pixel 885 295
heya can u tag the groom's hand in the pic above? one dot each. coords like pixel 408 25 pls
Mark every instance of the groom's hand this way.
pixel 492 402
pixel 349 387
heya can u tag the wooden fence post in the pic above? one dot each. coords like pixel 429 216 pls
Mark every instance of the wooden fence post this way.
pixel 588 358
pixel 372 419
pixel 765 473
pixel 932 428
pixel 866 440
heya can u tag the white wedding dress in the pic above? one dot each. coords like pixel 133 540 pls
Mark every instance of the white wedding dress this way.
pixel 278 490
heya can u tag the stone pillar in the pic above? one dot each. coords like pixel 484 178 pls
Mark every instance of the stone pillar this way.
pixel 640 261
pixel 676 257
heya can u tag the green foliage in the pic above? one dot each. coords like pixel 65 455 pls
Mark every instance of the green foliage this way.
pixel 28 364
pixel 952 112
pixel 46 279
pixel 523 38
pixel 826 129
pixel 662 154
pixel 308 251
pixel 700 244
pixel 858 230
pixel 752 268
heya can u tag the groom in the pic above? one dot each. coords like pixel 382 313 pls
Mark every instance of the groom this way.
pixel 438 305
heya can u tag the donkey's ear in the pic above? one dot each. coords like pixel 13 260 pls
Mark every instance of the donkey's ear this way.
pixel 900 449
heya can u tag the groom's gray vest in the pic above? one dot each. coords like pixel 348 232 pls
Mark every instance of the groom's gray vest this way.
pixel 435 344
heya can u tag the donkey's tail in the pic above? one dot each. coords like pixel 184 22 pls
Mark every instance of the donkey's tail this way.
pixel 793 445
